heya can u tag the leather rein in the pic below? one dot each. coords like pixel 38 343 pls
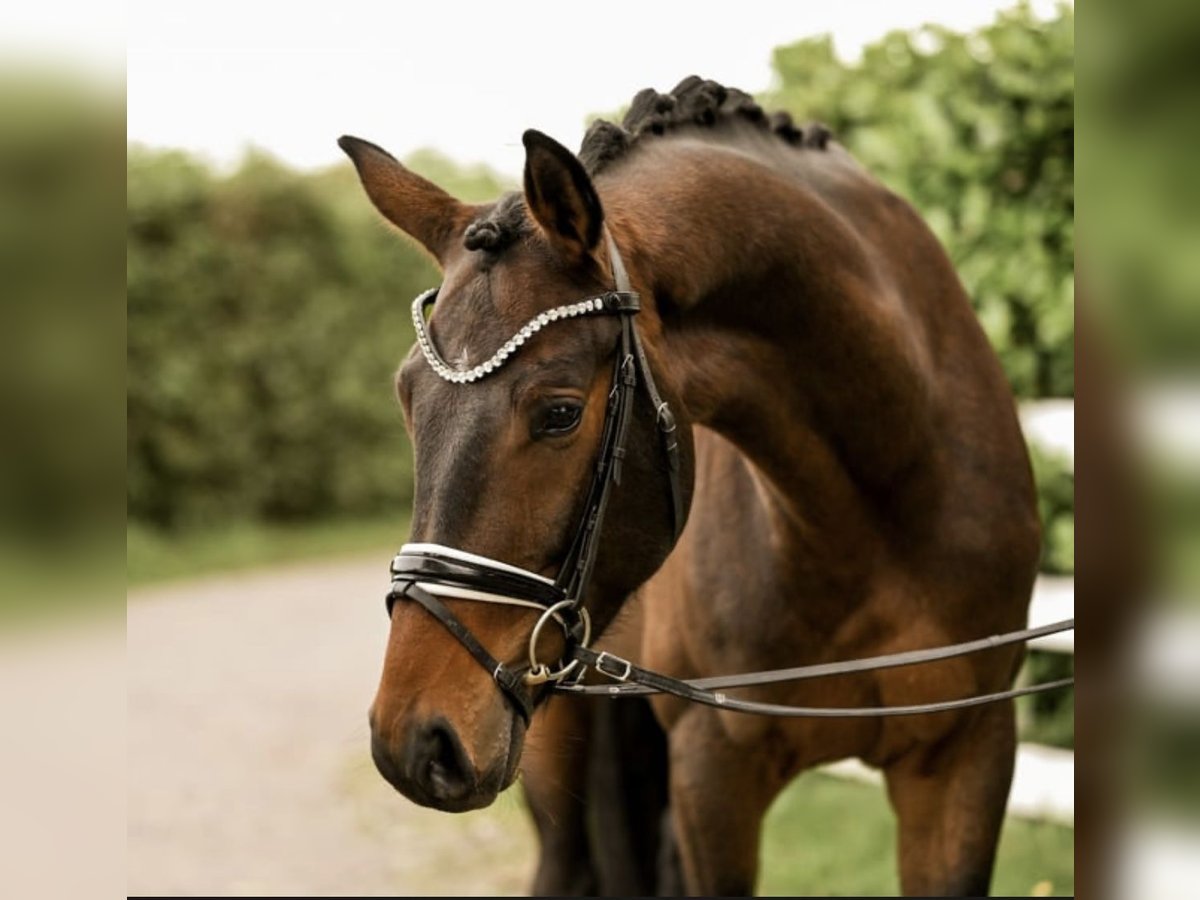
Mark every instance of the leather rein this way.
pixel 426 573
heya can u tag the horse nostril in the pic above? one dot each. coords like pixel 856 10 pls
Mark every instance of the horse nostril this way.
pixel 448 773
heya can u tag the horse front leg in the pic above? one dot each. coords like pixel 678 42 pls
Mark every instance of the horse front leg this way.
pixel 949 801
pixel 719 795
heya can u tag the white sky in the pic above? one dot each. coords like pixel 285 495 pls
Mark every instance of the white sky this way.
pixel 463 76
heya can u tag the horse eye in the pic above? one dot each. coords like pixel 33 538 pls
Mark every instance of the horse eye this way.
pixel 561 418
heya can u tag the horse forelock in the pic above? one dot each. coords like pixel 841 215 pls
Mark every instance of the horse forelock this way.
pixel 504 223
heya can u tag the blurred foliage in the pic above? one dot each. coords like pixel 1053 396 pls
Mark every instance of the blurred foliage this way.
pixel 1049 717
pixel 1055 478
pixel 1174 492
pixel 268 310
pixel 473 184
pixel 1164 774
pixel 61 337
pixel 977 131
pixel 1141 223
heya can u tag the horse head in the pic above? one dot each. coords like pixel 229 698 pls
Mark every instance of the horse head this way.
pixel 507 396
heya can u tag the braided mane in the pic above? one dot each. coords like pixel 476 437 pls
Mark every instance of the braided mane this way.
pixel 693 102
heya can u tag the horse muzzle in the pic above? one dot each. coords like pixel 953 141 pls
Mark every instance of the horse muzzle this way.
pixel 429 763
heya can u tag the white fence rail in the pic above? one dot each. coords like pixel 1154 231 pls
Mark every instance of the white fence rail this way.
pixel 1043 783
pixel 1053 601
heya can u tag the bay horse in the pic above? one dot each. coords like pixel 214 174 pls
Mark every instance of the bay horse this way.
pixel 852 473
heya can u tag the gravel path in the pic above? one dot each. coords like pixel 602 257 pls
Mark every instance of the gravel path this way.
pixel 249 768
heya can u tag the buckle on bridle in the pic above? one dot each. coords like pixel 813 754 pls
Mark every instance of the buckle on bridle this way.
pixel 626 377
pixel 629 371
pixel 666 418
pixel 615 676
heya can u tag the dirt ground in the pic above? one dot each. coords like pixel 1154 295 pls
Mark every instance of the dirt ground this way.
pixel 248 761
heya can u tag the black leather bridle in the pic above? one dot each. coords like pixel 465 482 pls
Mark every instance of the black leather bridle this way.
pixel 422 572
pixel 426 573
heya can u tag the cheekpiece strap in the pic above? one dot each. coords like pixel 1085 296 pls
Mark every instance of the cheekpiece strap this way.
pixel 620 276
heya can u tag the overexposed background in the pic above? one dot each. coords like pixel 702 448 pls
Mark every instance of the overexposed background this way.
pixel 468 78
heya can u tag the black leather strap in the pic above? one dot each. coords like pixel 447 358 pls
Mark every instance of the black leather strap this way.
pixel 634 680
pixel 577 566
pixel 664 417
pixel 510 680
pixel 668 434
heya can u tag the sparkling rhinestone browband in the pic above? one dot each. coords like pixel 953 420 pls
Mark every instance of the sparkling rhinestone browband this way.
pixel 605 303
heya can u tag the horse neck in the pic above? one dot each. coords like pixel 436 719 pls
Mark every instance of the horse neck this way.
pixel 776 325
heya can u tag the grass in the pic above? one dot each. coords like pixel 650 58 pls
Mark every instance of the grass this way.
pixel 827 836
pixel 152 556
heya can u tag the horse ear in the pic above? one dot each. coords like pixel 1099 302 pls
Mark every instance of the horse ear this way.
pixel 417 207
pixel 561 197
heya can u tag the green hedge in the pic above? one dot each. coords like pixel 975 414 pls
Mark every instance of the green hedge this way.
pixel 977 130
pixel 267 313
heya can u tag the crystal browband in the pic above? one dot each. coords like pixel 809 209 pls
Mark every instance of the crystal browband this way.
pixel 611 302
